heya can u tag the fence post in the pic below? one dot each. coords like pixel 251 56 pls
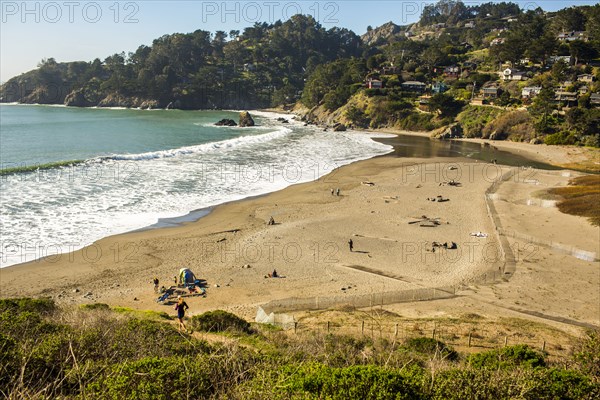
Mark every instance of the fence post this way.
pixel 505 341
pixel 362 329
pixel 327 326
pixel 396 331
pixel 295 327
pixel 544 346
pixel 469 339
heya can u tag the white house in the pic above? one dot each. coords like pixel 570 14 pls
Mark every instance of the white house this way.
pixel 511 74
pixel 530 91
pixel 588 78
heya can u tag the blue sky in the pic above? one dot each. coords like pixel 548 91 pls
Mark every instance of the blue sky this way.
pixel 71 30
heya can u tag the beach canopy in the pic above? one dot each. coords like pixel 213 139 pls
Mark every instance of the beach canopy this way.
pixel 186 276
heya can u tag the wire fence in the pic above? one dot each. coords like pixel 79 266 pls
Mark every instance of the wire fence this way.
pixel 476 335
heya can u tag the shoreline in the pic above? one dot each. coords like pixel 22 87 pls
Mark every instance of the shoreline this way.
pixel 196 215
pixel 233 248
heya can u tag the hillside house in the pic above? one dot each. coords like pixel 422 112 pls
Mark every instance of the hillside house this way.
pixel 529 92
pixel 571 36
pixel 439 87
pixel 595 99
pixel 497 41
pixel 587 78
pixel 374 83
pixel 414 86
pixel 568 97
pixel 452 72
pixel 511 74
pixel 584 90
pixel 490 92
pixel 470 25
pixel 566 59
pixel 390 70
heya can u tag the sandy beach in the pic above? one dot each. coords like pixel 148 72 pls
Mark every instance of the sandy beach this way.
pixel 382 207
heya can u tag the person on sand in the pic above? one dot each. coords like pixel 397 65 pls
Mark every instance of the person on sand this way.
pixel 332 191
pixel 271 221
pixel 181 306
pixel 337 192
pixel 155 285
pixel 351 245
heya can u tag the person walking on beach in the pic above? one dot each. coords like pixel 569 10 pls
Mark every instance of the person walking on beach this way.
pixel 332 191
pixel 155 285
pixel 337 192
pixel 181 306
pixel 351 245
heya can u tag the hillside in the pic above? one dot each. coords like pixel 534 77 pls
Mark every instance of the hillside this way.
pixel 457 58
pixel 265 64
pixel 95 352
pixel 524 76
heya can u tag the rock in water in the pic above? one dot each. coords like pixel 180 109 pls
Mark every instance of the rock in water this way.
pixel 226 122
pixel 339 128
pixel 246 119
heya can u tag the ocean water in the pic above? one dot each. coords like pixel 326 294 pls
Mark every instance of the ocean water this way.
pixel 72 176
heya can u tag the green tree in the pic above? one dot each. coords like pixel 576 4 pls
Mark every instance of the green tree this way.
pixel 542 107
pixel 445 104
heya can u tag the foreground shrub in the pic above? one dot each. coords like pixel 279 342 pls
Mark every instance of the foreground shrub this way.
pixel 154 378
pixel 431 347
pixel 38 306
pixel 507 357
pixel 518 383
pixel 220 321
pixel 317 381
pixel 587 354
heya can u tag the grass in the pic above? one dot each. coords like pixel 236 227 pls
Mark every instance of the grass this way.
pixel 149 314
pixel 581 198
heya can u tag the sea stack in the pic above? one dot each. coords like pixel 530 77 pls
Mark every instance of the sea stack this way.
pixel 246 119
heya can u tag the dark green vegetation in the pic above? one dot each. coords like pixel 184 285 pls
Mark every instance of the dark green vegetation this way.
pixel 265 64
pixel 581 197
pixel 456 50
pixel 39 167
pixel 95 352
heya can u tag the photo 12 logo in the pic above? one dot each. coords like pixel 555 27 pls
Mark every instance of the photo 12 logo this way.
pixel 268 11
pixel 52 12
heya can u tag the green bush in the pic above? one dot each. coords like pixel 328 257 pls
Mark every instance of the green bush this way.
pixel 507 357
pixel 39 306
pixel 474 118
pixel 317 381
pixel 95 306
pixel 154 378
pixel 430 347
pixel 220 321
pixel 516 125
pixel 587 354
pixel 562 137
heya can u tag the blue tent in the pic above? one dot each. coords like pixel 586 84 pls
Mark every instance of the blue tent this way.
pixel 186 276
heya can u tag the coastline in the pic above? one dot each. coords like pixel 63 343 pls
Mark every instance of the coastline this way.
pixel 233 248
